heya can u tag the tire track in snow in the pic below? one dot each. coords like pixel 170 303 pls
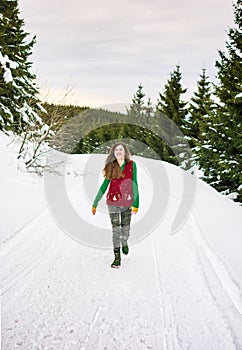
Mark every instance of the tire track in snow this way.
pixel 14 287
pixel 172 339
pixel 183 303
pixel 130 307
pixel 227 280
pixel 161 294
pixel 174 311
pixel 13 237
pixel 20 239
pixel 91 326
pixel 216 275
pixel 205 265
pixel 23 253
pixel 171 317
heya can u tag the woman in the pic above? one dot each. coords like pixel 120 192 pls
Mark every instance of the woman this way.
pixel 120 174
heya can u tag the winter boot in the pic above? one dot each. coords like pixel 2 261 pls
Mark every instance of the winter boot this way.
pixel 125 248
pixel 117 261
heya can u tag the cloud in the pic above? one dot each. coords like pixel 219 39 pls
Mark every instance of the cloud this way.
pixel 109 45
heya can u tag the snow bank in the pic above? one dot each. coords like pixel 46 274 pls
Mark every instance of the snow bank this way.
pixel 21 192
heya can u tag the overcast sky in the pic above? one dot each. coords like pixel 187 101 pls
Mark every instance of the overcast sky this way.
pixel 102 50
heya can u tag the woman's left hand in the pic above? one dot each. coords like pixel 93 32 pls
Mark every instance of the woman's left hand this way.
pixel 134 210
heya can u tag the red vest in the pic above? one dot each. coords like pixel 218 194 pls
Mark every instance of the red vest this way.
pixel 120 191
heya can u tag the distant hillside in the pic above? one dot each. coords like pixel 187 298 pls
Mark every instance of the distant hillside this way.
pixel 57 115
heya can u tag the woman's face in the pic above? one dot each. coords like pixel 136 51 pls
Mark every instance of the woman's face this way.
pixel 119 152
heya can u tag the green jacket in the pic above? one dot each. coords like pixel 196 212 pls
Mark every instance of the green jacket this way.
pixel 106 182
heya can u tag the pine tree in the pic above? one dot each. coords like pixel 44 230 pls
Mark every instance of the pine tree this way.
pixel 137 108
pixel 223 134
pixel 18 91
pixel 170 103
pixel 149 110
pixel 200 108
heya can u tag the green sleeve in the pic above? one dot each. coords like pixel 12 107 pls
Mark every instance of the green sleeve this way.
pixel 101 192
pixel 135 187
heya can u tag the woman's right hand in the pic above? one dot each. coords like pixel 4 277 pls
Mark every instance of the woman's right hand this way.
pixel 94 210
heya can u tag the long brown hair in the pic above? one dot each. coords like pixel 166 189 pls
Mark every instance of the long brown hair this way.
pixel 112 169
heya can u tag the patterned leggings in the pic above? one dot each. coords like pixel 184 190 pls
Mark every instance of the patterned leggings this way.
pixel 120 220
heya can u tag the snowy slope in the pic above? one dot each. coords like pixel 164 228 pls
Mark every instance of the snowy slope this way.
pixel 22 196
pixel 180 291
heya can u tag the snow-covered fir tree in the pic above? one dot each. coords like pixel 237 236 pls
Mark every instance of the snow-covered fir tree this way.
pixel 220 155
pixel 137 107
pixel 171 104
pixel 170 101
pixel 18 92
pixel 200 107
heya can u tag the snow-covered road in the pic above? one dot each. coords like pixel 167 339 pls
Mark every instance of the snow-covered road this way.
pixel 59 294
pixel 172 292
